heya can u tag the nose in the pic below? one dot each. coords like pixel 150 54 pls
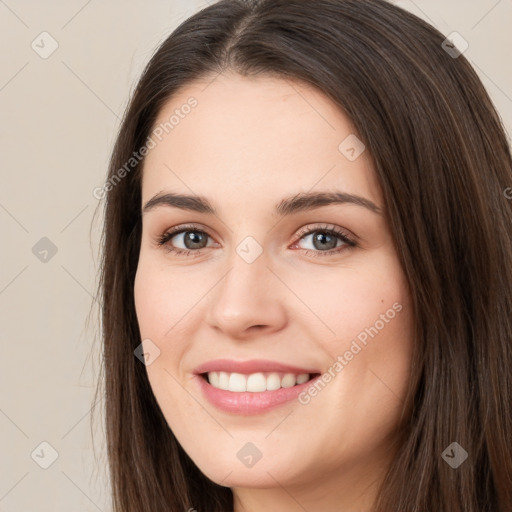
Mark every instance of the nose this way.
pixel 248 300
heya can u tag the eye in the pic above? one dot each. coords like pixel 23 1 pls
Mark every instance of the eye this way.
pixel 191 237
pixel 327 240
pixel 324 240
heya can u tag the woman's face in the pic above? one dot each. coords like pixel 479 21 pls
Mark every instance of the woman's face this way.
pixel 272 288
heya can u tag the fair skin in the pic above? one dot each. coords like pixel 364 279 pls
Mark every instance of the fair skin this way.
pixel 248 144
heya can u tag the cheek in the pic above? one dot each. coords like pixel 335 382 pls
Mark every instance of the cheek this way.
pixel 160 303
pixel 148 296
pixel 349 300
pixel 160 299
pixel 167 306
pixel 369 314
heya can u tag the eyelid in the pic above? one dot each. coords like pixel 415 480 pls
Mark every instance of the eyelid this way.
pixel 327 227
pixel 345 235
pixel 176 230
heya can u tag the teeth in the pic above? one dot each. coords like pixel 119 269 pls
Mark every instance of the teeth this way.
pixel 213 378
pixel 237 382
pixel 223 380
pixel 273 382
pixel 303 377
pixel 255 382
pixel 288 380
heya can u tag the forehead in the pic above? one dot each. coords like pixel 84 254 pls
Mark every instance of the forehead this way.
pixel 262 136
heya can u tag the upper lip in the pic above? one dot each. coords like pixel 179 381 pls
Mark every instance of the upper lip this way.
pixel 251 366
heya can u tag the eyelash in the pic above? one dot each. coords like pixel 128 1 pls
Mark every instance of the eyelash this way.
pixel 168 235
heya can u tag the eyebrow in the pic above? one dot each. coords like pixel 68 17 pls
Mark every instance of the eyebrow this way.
pixel 303 201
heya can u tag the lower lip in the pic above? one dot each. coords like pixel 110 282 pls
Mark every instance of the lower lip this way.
pixel 248 402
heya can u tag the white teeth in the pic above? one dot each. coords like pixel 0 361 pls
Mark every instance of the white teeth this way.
pixel 303 377
pixel 273 382
pixel 255 382
pixel 223 380
pixel 214 379
pixel 237 382
pixel 288 380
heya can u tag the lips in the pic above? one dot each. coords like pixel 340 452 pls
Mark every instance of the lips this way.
pixel 286 383
pixel 252 366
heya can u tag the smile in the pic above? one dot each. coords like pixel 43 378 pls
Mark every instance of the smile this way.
pixel 252 387
pixel 255 382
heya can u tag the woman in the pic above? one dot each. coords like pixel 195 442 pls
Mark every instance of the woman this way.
pixel 244 372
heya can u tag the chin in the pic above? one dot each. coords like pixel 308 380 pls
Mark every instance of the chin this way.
pixel 231 472
pixel 244 477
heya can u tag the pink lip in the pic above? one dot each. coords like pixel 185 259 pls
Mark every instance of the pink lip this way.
pixel 248 402
pixel 252 366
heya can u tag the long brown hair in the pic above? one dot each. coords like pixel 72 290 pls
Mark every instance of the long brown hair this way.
pixel 443 162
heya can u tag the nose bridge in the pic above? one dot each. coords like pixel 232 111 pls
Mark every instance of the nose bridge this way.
pixel 246 296
pixel 247 273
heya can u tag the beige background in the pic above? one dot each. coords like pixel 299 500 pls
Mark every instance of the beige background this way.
pixel 58 123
